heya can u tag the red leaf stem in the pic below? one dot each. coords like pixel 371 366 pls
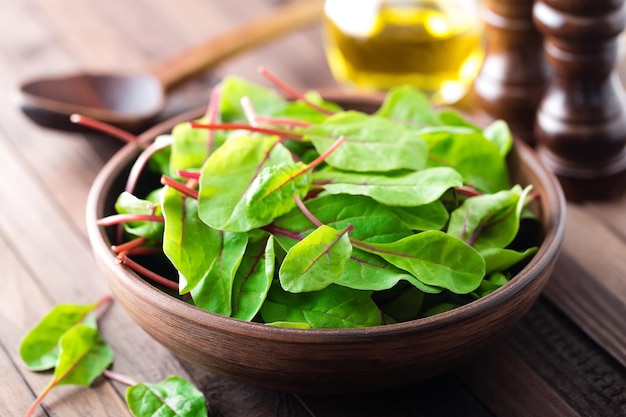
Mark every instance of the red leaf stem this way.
pixel 127 218
pixel 243 126
pixel 306 211
pixel 189 174
pixel 123 379
pixel 292 92
pixel 285 121
pixel 130 245
pixel 181 188
pixel 142 160
pixel 123 258
pixel 105 128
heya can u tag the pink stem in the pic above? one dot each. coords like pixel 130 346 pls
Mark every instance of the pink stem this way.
pixel 105 128
pixel 243 126
pixel 181 188
pixel 126 218
pixel 123 379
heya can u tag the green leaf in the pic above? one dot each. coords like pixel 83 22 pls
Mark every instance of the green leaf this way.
pixel 316 261
pixel 332 307
pixel 214 292
pixel 127 203
pixel 172 397
pixel 488 221
pixel 188 242
pixel 40 347
pixel 227 175
pixel 433 216
pixel 367 138
pixel 253 279
pixel 369 272
pixel 264 100
pixel 83 356
pixel 470 153
pixel 408 189
pixel 272 192
pixel 191 147
pixel 409 106
pixel 372 221
pixel 436 259
pixel 500 134
pixel 497 259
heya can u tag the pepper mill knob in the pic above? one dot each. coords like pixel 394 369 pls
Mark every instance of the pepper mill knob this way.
pixel 514 74
pixel 581 124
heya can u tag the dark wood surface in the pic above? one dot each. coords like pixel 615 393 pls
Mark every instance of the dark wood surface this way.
pixel 567 357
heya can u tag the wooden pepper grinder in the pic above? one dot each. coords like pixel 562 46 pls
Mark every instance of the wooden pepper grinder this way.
pixel 514 74
pixel 581 122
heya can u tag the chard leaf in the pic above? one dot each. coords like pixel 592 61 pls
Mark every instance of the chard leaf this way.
pixel 367 138
pixel 435 258
pixel 214 292
pixel 372 221
pixel 302 111
pixel 188 242
pixel 191 147
pixel 332 307
pixel 405 305
pixel 493 281
pixel 433 216
pixel 500 134
pixel 227 175
pixel 172 397
pixel 264 100
pixel 369 272
pixel 470 153
pixel 83 356
pixel 253 279
pixel 316 261
pixel 290 325
pixel 127 203
pixel 39 349
pixel 408 189
pixel 453 118
pixel 490 220
pixel 271 194
pixel 497 259
pixel 408 106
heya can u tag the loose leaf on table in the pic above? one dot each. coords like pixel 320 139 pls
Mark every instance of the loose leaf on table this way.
pixel 253 279
pixel 172 397
pixel 435 258
pixel 372 221
pixel 214 292
pixel 367 138
pixel 477 159
pixel 332 307
pixel 40 347
pixel 409 106
pixel 490 220
pixel 83 356
pixel 188 242
pixel 227 175
pixel 316 261
pixel 406 189
pixel 127 203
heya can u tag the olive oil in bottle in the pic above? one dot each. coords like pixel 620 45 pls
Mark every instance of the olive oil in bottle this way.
pixel 434 45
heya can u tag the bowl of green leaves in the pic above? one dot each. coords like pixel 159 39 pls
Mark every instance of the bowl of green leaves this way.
pixel 304 245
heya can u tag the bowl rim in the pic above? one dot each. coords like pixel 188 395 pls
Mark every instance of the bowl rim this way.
pixel 546 254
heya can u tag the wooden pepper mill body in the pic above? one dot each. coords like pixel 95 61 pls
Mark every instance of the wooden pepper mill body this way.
pixel 581 123
pixel 514 74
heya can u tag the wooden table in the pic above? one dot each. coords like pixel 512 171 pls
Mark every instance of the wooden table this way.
pixel 565 358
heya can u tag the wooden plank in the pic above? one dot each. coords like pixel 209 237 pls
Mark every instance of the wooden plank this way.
pixel 590 304
pixel 583 374
pixel 18 313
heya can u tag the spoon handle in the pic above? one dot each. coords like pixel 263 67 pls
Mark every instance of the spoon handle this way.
pixel 179 68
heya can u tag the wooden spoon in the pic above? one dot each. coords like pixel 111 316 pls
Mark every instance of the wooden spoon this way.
pixel 130 100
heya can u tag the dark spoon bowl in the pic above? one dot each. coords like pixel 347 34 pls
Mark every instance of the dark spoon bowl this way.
pixel 328 361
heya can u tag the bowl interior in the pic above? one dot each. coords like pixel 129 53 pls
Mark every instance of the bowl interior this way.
pixel 299 360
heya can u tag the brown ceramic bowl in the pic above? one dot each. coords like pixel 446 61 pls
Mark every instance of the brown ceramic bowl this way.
pixel 328 361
